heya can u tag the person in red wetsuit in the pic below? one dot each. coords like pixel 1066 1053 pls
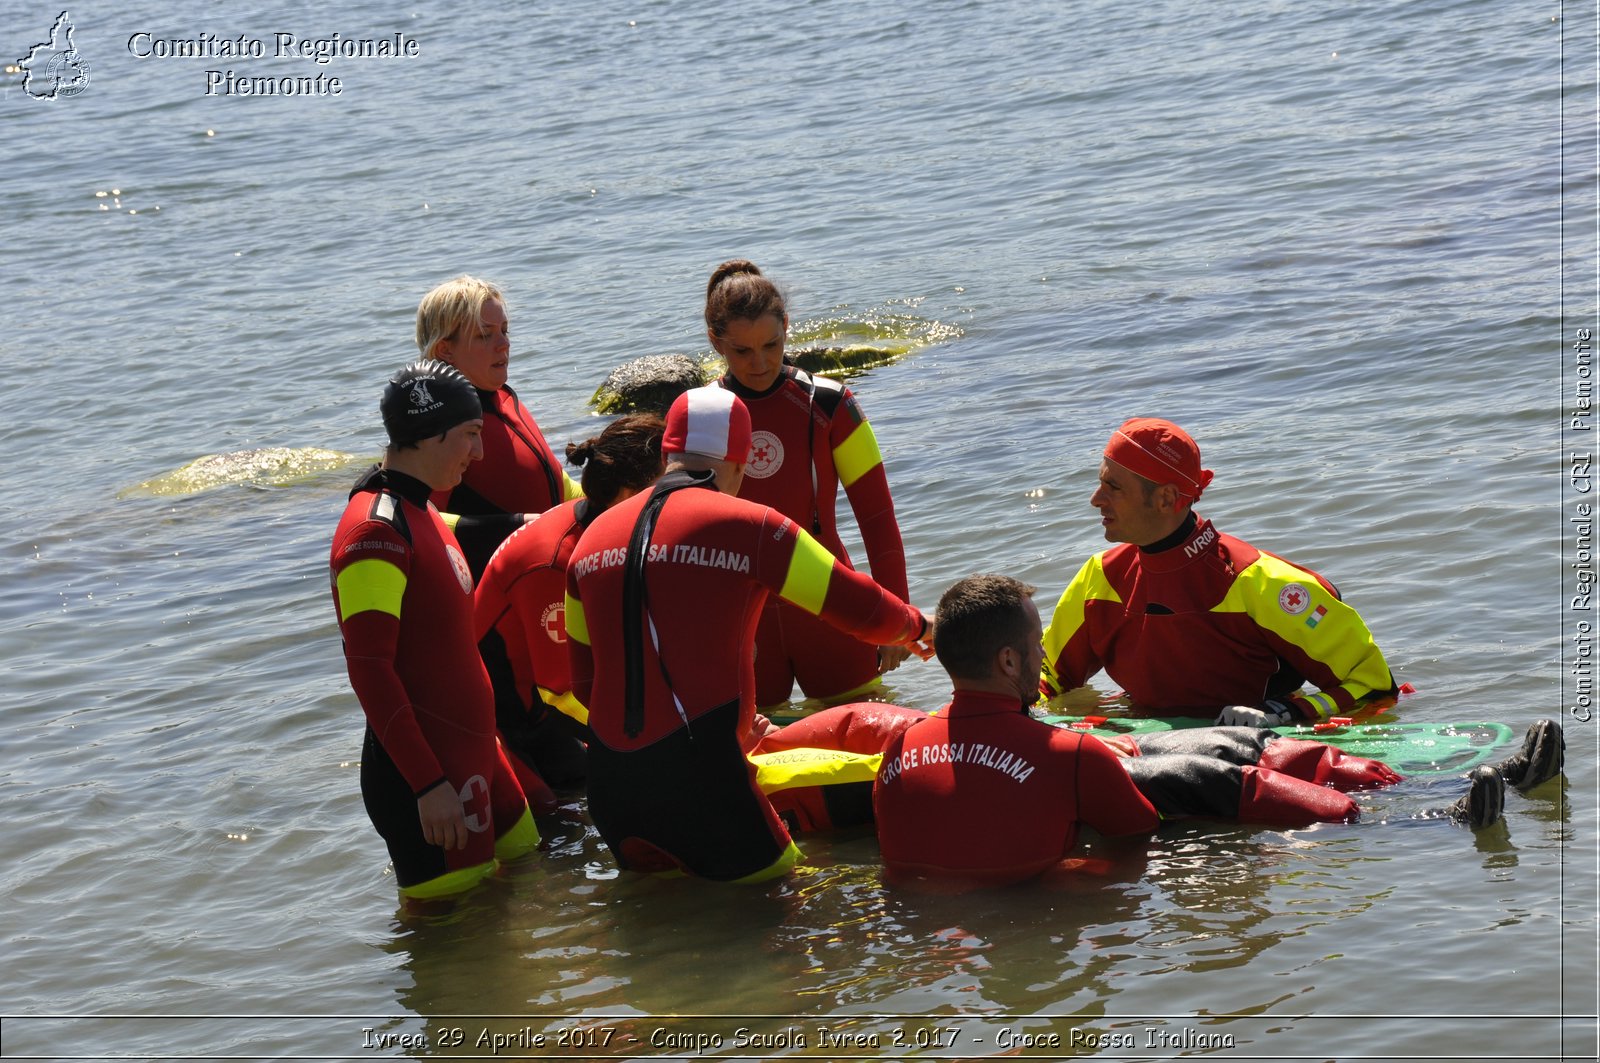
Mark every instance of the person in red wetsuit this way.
pixel 520 605
pixel 1191 621
pixel 980 791
pixel 463 322
pixel 663 594
pixel 809 436
pixel 433 779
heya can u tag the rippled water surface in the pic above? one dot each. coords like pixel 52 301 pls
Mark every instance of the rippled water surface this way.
pixel 1325 238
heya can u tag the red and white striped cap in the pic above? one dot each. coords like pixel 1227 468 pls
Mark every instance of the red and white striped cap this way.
pixel 709 421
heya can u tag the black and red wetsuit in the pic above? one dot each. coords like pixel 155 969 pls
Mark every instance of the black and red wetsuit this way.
pixel 520 621
pixel 809 436
pixel 518 474
pixel 981 791
pixel 661 656
pixel 404 600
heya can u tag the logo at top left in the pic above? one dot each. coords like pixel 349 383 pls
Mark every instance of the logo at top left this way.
pixel 55 67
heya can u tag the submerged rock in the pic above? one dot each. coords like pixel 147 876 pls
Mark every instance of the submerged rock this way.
pixel 266 466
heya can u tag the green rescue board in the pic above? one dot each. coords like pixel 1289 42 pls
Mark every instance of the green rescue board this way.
pixel 1408 748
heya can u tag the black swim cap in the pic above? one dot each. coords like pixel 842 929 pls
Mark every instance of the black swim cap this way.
pixel 427 399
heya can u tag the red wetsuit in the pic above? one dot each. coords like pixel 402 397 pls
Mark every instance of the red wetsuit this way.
pixel 1209 622
pixel 518 474
pixel 520 623
pixel 404 600
pixel 668 783
pixel 982 791
pixel 808 437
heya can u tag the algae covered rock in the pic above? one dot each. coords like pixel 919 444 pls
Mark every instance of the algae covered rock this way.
pixel 649 384
pixel 263 467
pixel 842 346
pixel 844 361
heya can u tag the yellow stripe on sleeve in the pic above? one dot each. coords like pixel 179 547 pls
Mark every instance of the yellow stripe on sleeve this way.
pixel 577 623
pixel 1090 584
pixel 857 455
pixel 370 584
pixel 1324 628
pixel 806 584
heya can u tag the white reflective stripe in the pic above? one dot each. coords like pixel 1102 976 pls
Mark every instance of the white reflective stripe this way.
pixel 707 424
pixel 811 449
pixel 656 642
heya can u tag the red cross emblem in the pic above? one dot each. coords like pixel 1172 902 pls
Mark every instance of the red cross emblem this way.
pixel 554 621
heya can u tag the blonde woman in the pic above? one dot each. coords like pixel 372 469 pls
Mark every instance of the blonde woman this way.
pixel 463 322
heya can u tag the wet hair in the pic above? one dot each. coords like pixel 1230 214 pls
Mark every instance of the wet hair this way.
pixel 627 454
pixel 977 618
pixel 739 291
pixel 449 306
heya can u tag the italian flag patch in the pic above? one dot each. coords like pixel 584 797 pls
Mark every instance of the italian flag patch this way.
pixel 1316 616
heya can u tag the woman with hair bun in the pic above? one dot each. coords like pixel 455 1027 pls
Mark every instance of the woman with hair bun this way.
pixel 463 322
pixel 519 615
pixel 809 437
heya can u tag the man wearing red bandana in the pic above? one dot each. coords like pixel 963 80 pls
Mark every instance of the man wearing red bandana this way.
pixel 1191 621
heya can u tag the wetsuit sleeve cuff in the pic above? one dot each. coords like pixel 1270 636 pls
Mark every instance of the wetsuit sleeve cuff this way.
pixel 1298 709
pixel 440 781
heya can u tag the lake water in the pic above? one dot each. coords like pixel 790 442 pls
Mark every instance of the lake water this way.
pixel 1350 247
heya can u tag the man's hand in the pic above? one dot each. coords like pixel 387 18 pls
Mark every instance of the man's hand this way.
pixel 923 647
pixel 443 822
pixel 890 657
pixel 1271 715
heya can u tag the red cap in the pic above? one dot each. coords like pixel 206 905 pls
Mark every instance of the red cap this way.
pixel 708 421
pixel 1161 452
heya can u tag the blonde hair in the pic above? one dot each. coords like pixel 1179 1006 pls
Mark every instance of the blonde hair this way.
pixel 449 306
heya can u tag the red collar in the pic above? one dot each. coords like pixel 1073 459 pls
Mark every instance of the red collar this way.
pixel 978 703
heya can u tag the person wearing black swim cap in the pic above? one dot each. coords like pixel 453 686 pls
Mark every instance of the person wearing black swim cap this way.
pixel 433 779
pixel 428 399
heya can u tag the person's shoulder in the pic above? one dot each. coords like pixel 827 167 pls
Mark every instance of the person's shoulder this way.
pixel 825 391
pixel 732 507
pixel 374 526
pixel 623 513
pixel 1114 560
pixel 506 402
pixel 1265 563
pixel 555 522
pixel 378 505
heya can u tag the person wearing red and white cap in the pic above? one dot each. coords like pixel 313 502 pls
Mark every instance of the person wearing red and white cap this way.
pixel 663 594
pixel 1191 621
